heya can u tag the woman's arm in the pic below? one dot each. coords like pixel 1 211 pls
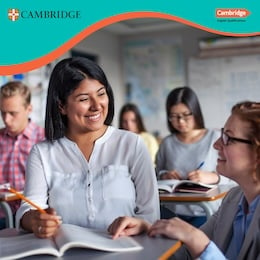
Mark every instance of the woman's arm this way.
pixel 144 178
pixel 36 190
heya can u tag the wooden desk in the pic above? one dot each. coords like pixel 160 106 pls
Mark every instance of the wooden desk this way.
pixel 153 249
pixel 5 197
pixel 201 200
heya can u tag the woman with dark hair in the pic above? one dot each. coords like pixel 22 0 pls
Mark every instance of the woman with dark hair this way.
pixel 85 173
pixel 187 153
pixel 233 232
pixel 187 97
pixel 130 119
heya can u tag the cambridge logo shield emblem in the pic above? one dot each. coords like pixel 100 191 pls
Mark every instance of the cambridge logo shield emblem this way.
pixel 13 14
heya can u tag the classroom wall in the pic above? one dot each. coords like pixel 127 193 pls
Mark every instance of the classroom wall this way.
pixel 221 82
pixel 189 36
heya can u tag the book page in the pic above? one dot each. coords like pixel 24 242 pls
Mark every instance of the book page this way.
pixel 184 186
pixel 25 245
pixel 167 185
pixel 70 236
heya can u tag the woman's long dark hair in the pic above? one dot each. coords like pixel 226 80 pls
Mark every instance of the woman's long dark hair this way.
pixel 65 78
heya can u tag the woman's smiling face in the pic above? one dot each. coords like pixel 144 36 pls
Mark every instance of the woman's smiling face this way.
pixel 86 108
pixel 236 160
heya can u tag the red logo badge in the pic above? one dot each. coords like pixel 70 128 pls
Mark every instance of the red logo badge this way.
pixel 232 13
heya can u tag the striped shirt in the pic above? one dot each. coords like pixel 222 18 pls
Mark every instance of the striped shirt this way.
pixel 14 152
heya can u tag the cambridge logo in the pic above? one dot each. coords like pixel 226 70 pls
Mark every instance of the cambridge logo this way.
pixel 13 14
pixel 232 13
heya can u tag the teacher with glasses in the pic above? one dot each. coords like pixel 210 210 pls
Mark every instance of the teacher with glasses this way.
pixel 187 153
pixel 233 232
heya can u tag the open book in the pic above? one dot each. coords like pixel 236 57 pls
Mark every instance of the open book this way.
pixel 68 236
pixel 184 186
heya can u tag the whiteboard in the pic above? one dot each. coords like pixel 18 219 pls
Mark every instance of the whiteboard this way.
pixel 222 82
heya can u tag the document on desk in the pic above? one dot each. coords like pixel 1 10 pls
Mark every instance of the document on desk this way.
pixel 68 236
pixel 173 185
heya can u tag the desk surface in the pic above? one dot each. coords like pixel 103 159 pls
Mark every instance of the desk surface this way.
pixel 153 249
pixel 215 194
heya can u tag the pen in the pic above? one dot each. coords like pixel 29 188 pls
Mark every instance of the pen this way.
pixel 200 165
pixel 21 196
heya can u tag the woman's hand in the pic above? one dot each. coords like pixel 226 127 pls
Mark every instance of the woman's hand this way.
pixel 170 175
pixel 127 226
pixel 175 228
pixel 43 225
pixel 204 177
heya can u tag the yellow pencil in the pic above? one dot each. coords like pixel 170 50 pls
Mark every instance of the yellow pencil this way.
pixel 170 251
pixel 21 196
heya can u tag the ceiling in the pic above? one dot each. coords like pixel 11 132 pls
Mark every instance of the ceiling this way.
pixel 142 25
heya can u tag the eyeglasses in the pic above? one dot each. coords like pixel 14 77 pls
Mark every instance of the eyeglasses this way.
pixel 226 138
pixel 176 117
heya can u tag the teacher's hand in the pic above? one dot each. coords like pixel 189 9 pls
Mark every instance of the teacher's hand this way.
pixel 175 228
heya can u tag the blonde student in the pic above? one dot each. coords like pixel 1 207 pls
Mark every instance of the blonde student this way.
pixel 17 137
pixel 130 119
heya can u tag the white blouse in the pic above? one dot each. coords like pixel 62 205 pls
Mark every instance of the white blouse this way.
pixel 118 180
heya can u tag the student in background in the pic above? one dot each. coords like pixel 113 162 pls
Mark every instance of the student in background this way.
pixel 17 137
pixel 88 172
pixel 233 232
pixel 187 153
pixel 130 119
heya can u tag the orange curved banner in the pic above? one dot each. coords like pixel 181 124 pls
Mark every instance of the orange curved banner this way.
pixel 34 64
